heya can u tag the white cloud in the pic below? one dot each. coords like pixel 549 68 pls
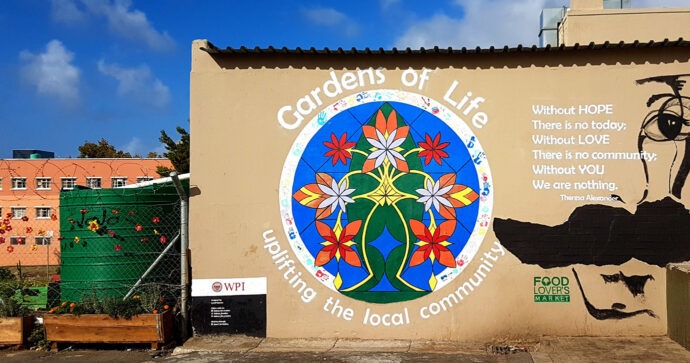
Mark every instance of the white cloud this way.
pixel 331 18
pixel 660 3
pixel 483 23
pixel 66 11
pixel 52 73
pixel 385 4
pixel 128 23
pixel 137 83
pixel 492 23
pixel 134 147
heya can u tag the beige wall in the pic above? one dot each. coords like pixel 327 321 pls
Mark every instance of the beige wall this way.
pixel 584 25
pixel 238 167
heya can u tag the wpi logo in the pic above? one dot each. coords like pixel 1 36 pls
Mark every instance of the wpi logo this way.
pixel 216 286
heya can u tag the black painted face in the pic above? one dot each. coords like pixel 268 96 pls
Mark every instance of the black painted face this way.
pixel 670 122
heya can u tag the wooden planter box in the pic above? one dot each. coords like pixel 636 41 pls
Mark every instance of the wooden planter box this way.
pixel 101 328
pixel 14 331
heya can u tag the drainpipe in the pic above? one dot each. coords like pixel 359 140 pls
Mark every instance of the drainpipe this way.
pixel 184 247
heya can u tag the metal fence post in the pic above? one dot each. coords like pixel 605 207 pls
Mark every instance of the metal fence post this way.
pixel 184 246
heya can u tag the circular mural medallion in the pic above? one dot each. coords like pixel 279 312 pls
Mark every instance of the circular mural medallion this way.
pixel 386 196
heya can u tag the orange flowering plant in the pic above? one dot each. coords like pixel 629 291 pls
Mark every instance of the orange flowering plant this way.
pixel 117 307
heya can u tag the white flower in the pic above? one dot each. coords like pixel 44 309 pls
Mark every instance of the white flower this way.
pixel 338 195
pixel 434 195
pixel 385 148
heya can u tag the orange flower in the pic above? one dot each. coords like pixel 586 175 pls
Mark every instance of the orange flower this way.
pixel 338 244
pixel 34 248
pixel 166 307
pixel 53 217
pixel 72 305
pixel 433 244
pixel 155 311
pixel 10 249
pixel 93 226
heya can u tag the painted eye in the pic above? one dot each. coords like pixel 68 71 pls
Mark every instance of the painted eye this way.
pixel 667 124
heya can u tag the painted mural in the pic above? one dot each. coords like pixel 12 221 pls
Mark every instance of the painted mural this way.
pixel 656 232
pixel 386 196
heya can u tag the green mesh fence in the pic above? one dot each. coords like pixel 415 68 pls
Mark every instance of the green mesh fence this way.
pixel 111 243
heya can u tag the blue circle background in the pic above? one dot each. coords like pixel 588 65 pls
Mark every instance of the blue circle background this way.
pixel 351 120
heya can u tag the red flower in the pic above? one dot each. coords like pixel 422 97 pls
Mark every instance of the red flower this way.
pixel 115 211
pixel 156 220
pixel 2 239
pixel 29 230
pixel 339 149
pixel 84 211
pixel 10 249
pixel 111 233
pixel 8 228
pixel 25 218
pixel 131 213
pixel 2 231
pixel 433 149
pixel 20 240
pixel 118 247
pixel 138 227
pixel 433 245
pixel 338 244
pixel 164 239
pixel 53 217
pixel 8 216
pixel 144 239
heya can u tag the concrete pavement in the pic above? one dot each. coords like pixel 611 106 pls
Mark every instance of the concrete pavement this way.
pixel 240 348
pixel 547 349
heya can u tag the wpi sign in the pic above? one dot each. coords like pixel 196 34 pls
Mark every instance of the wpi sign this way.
pixel 229 287
pixel 229 305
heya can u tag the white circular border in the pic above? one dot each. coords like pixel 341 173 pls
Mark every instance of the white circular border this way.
pixel 463 131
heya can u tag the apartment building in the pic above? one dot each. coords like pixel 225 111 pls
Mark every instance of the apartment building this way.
pixel 30 196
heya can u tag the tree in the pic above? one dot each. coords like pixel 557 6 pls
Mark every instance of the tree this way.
pixel 101 150
pixel 178 152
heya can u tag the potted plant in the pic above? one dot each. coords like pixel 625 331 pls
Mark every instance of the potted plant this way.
pixel 138 319
pixel 16 322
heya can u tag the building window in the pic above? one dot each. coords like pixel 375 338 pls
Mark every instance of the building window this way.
pixel 68 183
pixel 42 241
pixel 43 212
pixel 119 181
pixel 141 179
pixel 93 182
pixel 43 183
pixel 18 212
pixel 18 183
pixel 18 240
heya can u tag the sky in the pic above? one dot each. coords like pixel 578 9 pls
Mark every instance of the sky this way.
pixel 76 71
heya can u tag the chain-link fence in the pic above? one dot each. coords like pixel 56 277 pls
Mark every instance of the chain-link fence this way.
pixel 114 251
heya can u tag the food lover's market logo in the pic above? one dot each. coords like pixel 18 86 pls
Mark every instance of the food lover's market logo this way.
pixel 386 196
